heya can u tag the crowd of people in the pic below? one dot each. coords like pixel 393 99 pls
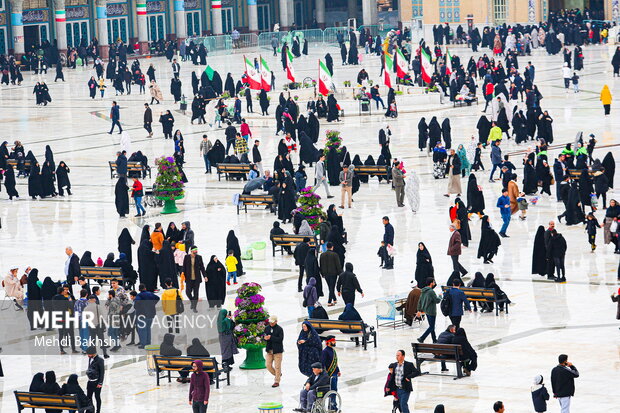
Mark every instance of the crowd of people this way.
pixel 167 266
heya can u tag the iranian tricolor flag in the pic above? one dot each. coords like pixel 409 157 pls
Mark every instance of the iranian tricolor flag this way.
pixel 325 79
pixel 427 67
pixel 448 63
pixel 401 64
pixel 386 78
pixel 265 75
pixel 389 62
pixel 290 73
pixel 387 68
pixel 254 78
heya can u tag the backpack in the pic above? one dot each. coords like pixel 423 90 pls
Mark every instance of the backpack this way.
pixel 446 304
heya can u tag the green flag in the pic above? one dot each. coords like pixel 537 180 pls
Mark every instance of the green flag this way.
pixel 209 71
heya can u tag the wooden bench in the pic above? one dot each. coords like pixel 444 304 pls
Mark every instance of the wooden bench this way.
pixel 13 163
pixel 448 353
pixel 28 400
pixel 231 168
pixel 465 102
pixel 131 167
pixel 576 173
pixel 255 200
pixel 290 240
pixel 356 329
pixel 374 170
pixel 485 295
pixel 102 273
pixel 168 364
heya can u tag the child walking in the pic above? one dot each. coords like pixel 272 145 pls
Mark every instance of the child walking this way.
pixel 540 395
pixel 591 226
pixel 522 203
pixel 231 267
pixel 575 80
pixel 477 164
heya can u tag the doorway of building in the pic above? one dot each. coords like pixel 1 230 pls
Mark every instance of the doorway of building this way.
pixel 31 36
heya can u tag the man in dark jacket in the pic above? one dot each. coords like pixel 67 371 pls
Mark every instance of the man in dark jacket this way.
pixel 121 164
pixel 72 266
pixel 231 135
pixel 402 372
pixel 256 157
pixel 458 300
pixel 95 374
pixel 148 120
pixel 559 173
pixel 274 336
pixel 563 382
pixel 318 382
pixel 115 116
pixel 445 337
pixel 331 268
pixel 194 270
pixel 329 359
pixel 301 250
pixel 388 242
pixel 144 305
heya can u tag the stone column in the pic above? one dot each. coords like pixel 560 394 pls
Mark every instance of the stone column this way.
pixel 61 25
pixel 18 27
pixel 351 9
pixel 143 31
pixel 290 7
pixel 284 20
pixel 252 16
pixel 216 16
pixel 102 29
pixel 320 13
pixel 368 16
pixel 180 23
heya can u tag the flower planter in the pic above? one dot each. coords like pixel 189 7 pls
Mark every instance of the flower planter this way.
pixel 170 206
pixel 254 359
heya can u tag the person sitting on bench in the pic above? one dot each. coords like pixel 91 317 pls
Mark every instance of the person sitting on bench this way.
pixel 308 395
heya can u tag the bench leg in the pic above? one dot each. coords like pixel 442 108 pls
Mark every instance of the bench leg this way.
pixel 157 375
pixel 169 377
pixel 459 370
pixel 217 379
pixel 228 378
pixel 364 342
pixel 496 309
pixel 237 209
pixel 374 338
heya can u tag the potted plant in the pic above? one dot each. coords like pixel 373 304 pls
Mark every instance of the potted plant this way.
pixel 310 207
pixel 251 320
pixel 168 184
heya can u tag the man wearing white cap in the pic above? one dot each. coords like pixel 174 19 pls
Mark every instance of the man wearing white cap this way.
pixel 13 287
pixel 274 336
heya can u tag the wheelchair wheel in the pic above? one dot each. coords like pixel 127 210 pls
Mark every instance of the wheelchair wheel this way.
pixel 326 402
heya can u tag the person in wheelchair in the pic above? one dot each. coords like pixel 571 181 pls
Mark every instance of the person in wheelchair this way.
pixel 315 386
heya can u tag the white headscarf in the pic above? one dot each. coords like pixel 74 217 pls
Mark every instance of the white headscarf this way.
pixel 537 383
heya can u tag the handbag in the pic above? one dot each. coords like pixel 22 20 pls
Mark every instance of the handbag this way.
pixel 391 250
pixel 180 305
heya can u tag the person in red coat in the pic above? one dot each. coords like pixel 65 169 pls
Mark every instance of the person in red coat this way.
pixel 199 388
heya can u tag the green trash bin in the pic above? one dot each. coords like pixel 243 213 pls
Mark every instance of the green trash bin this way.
pixel 258 251
pixel 151 350
pixel 270 408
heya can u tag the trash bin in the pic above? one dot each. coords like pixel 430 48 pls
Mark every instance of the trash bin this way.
pixel 258 251
pixel 151 350
pixel 270 408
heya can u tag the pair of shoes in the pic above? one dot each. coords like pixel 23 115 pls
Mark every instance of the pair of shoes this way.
pixel 341 207
pixel 227 282
pixel 330 196
pixel 445 370
pixel 274 385
pixel 105 356
pixel 390 267
pixel 235 283
pixel 501 234
pixel 420 340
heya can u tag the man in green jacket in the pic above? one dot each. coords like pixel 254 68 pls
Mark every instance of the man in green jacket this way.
pixel 428 305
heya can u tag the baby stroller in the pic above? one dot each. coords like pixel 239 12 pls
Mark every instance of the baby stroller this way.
pixel 151 200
